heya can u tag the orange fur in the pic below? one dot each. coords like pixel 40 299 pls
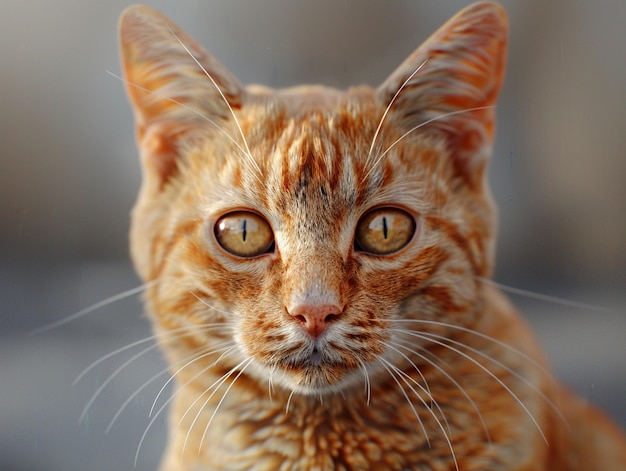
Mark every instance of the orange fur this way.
pixel 315 353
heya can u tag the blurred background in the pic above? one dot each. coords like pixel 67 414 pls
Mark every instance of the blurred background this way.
pixel 69 174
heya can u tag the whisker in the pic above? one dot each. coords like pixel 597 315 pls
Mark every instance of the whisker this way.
pixel 223 378
pixel 453 381
pixel 425 388
pixel 446 436
pixel 111 355
pixel 212 307
pixel 389 105
pixel 135 344
pixel 507 369
pixel 215 386
pixel 219 404
pixel 391 369
pixel 543 297
pixel 486 370
pixel 194 358
pixel 110 378
pixel 117 371
pixel 415 128
pixel 498 342
pixel 415 367
pixel 133 395
pixel 162 408
pixel 95 307
pixel 368 386
pixel 270 384
pixel 232 112
pixel 293 391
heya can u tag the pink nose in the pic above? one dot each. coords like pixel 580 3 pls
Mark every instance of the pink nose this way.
pixel 315 318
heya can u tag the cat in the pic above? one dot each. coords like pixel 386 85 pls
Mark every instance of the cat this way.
pixel 318 266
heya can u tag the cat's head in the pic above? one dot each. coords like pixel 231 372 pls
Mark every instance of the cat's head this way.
pixel 298 226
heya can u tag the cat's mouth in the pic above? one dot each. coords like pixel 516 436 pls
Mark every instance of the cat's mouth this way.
pixel 317 370
pixel 316 357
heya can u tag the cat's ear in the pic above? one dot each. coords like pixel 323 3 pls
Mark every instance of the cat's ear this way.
pixel 174 85
pixel 461 68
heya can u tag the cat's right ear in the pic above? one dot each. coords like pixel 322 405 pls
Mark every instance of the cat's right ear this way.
pixel 450 84
pixel 175 88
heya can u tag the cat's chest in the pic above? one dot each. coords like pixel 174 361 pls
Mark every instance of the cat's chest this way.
pixel 277 438
pixel 252 431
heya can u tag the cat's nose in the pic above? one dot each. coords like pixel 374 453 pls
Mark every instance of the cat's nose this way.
pixel 314 318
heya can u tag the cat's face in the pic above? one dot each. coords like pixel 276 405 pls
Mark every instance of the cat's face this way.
pixel 289 231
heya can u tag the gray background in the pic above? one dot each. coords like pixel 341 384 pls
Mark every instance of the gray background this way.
pixel 69 174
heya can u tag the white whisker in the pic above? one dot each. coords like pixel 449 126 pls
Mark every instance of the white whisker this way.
pixel 415 128
pixel 219 404
pixel 217 383
pixel 389 105
pixel 96 306
pixel 366 376
pixel 452 380
pixel 496 341
pixel 415 367
pixel 110 378
pixel 193 359
pixel 163 406
pixel 133 395
pixel 293 391
pixel 425 388
pixel 543 297
pixel 434 416
pixel 505 368
pixel 135 344
pixel 102 359
pixel 391 369
pixel 210 306
pixel 270 384
pixel 215 387
pixel 423 336
pixel 124 365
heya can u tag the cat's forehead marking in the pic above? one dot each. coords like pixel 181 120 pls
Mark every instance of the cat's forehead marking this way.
pixel 311 144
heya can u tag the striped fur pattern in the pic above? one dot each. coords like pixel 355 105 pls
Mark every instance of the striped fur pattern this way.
pixel 318 258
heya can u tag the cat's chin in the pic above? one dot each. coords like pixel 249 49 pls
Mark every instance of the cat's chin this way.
pixel 317 380
pixel 321 388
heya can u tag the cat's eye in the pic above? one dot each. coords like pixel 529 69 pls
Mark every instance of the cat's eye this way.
pixel 384 231
pixel 244 234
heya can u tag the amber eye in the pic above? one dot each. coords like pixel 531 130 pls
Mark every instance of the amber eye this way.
pixel 244 234
pixel 384 231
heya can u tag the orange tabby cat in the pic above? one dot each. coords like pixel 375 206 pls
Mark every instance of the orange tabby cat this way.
pixel 319 261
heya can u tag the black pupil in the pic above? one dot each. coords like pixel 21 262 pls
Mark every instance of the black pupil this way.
pixel 385 230
pixel 243 228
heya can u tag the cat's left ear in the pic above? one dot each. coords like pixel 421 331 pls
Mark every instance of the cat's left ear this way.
pixel 461 68
pixel 175 88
